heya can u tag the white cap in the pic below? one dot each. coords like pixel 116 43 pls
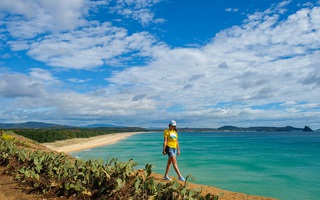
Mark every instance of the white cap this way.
pixel 173 123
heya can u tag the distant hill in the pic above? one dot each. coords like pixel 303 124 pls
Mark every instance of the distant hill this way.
pixel 307 129
pixel 101 125
pixel 31 125
pixel 229 128
pixel 242 129
pixel 42 125
pixel 286 128
pixel 49 125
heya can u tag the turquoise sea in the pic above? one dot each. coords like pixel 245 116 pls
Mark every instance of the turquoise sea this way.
pixel 283 165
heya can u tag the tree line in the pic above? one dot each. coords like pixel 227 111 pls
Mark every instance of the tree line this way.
pixel 54 134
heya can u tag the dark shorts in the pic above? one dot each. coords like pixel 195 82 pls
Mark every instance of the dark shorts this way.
pixel 171 151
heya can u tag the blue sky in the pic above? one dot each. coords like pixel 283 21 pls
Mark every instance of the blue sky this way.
pixel 204 63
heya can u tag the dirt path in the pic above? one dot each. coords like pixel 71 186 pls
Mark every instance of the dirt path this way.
pixel 11 190
pixel 223 194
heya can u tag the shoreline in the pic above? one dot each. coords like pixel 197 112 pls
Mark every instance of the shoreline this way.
pixel 80 144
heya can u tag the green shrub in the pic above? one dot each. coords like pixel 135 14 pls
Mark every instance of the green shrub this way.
pixel 6 136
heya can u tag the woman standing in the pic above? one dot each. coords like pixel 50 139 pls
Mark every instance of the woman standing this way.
pixel 171 147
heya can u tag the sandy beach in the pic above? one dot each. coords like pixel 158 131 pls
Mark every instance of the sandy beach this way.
pixel 80 144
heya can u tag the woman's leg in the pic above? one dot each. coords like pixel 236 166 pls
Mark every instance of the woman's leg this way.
pixel 175 165
pixel 168 166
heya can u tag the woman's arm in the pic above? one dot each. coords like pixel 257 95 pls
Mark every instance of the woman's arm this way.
pixel 164 146
pixel 178 147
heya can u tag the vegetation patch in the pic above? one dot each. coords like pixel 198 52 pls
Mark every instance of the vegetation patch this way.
pixel 6 135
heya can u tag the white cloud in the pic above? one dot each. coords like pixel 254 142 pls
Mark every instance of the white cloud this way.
pixel 223 65
pixel 34 85
pixel 42 75
pixel 232 9
pixel 289 103
pixel 58 34
pixel 137 10
pixel 89 47
pixel 30 18
pixel 76 80
pixel 19 85
pixel 5 56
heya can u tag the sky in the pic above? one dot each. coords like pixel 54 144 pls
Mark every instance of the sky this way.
pixel 203 63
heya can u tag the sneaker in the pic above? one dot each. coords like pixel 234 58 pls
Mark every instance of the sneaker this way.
pixel 182 179
pixel 167 178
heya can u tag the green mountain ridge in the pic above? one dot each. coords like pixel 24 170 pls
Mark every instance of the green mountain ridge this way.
pixel 31 125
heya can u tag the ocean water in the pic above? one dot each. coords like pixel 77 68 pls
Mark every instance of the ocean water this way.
pixel 283 165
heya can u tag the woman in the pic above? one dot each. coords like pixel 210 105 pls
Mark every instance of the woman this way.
pixel 171 147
